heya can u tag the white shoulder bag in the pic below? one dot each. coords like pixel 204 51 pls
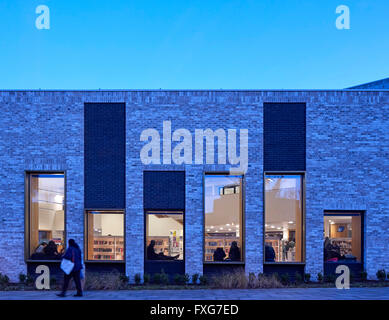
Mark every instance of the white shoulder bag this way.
pixel 67 266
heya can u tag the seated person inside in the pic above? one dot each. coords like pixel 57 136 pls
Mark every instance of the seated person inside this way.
pixel 151 255
pixel 46 251
pixel 41 247
pixel 332 252
pixel 234 252
pixel 219 254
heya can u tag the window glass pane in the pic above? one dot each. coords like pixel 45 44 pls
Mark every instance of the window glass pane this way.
pixel 223 218
pixel 46 216
pixel 164 236
pixel 283 218
pixel 106 235
pixel 342 238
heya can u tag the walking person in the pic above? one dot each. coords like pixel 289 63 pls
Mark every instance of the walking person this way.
pixel 73 253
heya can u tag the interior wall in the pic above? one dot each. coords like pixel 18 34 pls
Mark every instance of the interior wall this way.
pixel 51 220
pixel 161 226
pixel 280 209
pixel 112 224
pixel 226 209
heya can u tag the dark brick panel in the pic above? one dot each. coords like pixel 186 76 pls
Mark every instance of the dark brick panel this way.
pixel 284 136
pixel 171 268
pixel 105 152
pixel 164 190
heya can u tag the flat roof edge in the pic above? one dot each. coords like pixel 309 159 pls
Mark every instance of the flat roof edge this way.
pixel 194 90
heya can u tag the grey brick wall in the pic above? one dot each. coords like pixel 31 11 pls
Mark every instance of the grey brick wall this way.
pixel 193 111
pixel 347 163
pixel 348 169
pixel 39 131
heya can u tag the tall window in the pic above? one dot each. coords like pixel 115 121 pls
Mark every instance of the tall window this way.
pixel 164 235
pixel 283 218
pixel 342 237
pixel 105 240
pixel 223 204
pixel 46 220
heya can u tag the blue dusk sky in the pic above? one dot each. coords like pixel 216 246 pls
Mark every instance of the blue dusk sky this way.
pixel 185 44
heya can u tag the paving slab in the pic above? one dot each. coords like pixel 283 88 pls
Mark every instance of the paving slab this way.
pixel 211 294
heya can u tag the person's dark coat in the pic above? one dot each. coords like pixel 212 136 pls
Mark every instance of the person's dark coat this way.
pixel 219 254
pixel 234 253
pixel 270 254
pixel 150 252
pixel 74 254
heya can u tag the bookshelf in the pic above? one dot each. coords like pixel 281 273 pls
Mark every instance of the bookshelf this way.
pixel 345 245
pixel 223 242
pixel 161 244
pixel 108 248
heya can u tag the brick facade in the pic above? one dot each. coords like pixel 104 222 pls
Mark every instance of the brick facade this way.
pixel 347 163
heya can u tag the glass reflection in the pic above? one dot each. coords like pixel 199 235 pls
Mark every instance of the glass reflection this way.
pixel 46 216
pixel 223 218
pixel 283 218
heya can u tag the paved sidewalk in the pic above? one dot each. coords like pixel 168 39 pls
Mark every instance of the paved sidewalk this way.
pixel 253 294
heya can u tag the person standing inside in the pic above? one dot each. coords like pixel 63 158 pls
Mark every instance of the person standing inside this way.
pixel 234 253
pixel 73 253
